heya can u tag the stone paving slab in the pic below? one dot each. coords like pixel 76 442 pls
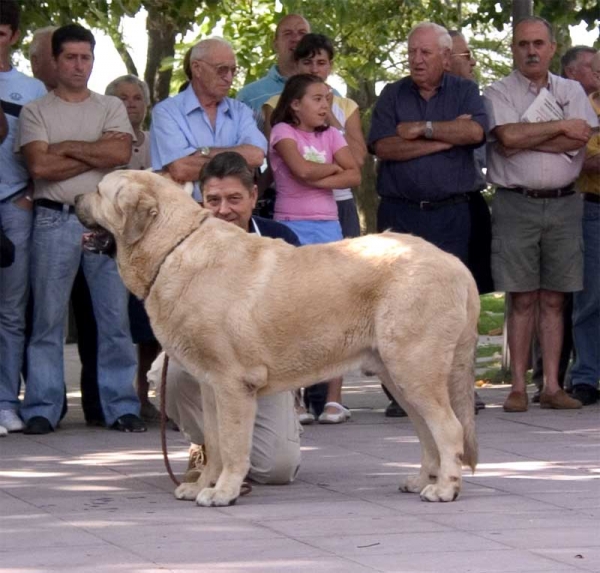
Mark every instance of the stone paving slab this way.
pixel 91 499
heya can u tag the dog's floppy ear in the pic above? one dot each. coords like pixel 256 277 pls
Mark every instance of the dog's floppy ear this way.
pixel 139 214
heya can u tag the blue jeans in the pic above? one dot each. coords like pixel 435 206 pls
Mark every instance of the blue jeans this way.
pixel 55 258
pixel 586 304
pixel 14 289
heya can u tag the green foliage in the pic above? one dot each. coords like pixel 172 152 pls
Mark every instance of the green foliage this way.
pixel 250 27
pixel 370 37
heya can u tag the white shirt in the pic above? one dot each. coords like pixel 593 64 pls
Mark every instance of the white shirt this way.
pixel 506 100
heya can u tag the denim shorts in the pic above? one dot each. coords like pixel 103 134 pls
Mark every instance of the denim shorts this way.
pixel 537 243
pixel 315 232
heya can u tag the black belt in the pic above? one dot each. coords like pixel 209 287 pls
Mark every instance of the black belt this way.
pixel 49 204
pixel 591 197
pixel 430 205
pixel 541 193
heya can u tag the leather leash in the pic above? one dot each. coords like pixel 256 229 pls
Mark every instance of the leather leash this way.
pixel 163 419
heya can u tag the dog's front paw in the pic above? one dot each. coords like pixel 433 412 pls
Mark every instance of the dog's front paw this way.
pixel 187 491
pixel 213 497
pixel 415 483
pixel 436 492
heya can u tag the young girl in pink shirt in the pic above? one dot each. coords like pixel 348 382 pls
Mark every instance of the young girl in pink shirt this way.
pixel 309 159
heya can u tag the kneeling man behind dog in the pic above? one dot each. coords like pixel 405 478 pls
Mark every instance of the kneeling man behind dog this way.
pixel 229 192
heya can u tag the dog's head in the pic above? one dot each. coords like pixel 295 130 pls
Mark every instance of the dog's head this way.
pixel 145 213
pixel 126 203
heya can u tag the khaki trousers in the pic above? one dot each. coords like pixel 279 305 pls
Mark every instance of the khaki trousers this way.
pixel 275 454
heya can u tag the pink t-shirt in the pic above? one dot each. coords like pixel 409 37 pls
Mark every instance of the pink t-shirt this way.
pixel 295 200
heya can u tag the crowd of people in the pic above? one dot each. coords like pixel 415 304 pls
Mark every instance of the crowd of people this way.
pixel 438 142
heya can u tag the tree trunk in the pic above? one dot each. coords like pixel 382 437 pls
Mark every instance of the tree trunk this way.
pixel 521 9
pixel 366 194
pixel 161 44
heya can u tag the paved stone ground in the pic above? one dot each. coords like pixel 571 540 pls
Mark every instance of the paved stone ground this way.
pixel 90 499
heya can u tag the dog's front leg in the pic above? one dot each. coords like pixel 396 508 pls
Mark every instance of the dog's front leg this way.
pixel 236 411
pixel 213 465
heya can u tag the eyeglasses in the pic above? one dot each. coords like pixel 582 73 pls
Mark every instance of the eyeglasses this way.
pixel 465 55
pixel 222 69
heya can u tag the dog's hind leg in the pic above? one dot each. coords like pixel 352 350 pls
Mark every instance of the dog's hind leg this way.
pixel 430 460
pixel 425 377
pixel 236 412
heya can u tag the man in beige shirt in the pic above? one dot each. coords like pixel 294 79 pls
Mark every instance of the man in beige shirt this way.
pixel 536 215
pixel 70 139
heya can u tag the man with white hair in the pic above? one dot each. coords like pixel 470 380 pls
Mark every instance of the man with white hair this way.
pixel 576 64
pixel 585 373
pixel 40 57
pixel 192 127
pixel 424 130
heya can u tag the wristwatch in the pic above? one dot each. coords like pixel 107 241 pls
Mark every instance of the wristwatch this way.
pixel 428 130
pixel 205 151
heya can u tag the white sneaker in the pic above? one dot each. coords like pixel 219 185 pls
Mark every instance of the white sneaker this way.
pixel 3 431
pixel 11 421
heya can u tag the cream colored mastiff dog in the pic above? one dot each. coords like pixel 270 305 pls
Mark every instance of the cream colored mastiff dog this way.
pixel 249 316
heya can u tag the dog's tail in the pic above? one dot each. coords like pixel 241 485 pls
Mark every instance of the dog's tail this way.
pixel 462 380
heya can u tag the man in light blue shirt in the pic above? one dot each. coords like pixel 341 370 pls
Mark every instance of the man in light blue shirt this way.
pixel 16 89
pixel 192 127
pixel 288 33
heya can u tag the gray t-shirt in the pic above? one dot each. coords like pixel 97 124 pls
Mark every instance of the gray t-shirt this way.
pixel 53 120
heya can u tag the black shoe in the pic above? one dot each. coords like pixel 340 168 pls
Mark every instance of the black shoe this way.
pixel 585 393
pixel 479 403
pixel 535 399
pixel 129 423
pixel 38 425
pixel 394 410
pixel 93 416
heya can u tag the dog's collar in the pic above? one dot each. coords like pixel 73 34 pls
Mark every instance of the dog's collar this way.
pixel 177 244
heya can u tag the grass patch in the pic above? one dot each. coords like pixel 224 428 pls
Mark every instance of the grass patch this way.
pixel 491 318
pixel 489 350
pixel 493 302
pixel 490 323
pixel 498 376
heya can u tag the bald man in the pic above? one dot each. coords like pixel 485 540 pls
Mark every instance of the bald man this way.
pixel 289 32
pixel 194 126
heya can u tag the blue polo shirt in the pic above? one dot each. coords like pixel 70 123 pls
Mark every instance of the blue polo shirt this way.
pixel 257 93
pixel 16 89
pixel 439 175
pixel 180 127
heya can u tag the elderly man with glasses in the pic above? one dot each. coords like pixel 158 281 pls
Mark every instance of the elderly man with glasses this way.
pixel 192 127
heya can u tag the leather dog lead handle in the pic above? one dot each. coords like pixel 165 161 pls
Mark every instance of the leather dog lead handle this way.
pixel 163 419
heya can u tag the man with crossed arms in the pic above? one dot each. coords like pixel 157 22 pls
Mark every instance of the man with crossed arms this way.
pixel 536 215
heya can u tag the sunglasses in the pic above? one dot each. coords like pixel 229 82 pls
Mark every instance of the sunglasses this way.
pixel 222 69
pixel 465 55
